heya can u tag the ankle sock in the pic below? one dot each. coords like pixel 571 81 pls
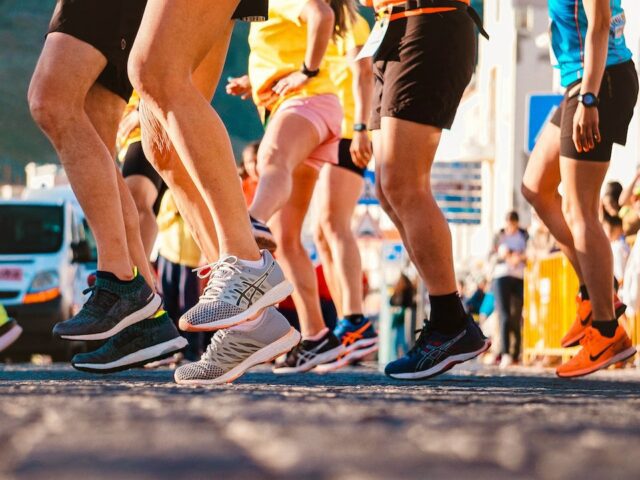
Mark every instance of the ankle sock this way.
pixel 355 318
pixel 104 275
pixel 607 328
pixel 584 295
pixel 447 313
pixel 253 263
pixel 318 335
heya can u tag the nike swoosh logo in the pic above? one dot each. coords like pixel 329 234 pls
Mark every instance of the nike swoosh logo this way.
pixel 586 321
pixel 593 358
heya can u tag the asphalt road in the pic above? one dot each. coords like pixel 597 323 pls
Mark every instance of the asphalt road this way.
pixel 474 423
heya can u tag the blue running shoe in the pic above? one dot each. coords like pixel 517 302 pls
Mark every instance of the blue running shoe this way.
pixel 358 341
pixel 435 353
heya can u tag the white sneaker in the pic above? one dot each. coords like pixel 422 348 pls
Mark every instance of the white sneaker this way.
pixel 235 293
pixel 506 361
pixel 234 351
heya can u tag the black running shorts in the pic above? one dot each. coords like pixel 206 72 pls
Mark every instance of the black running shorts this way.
pixel 618 95
pixel 422 68
pixel 108 25
pixel 252 11
pixel 345 160
pixel 136 163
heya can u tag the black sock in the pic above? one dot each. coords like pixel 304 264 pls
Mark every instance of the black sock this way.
pixel 607 328
pixel 111 277
pixel 447 313
pixel 355 318
pixel 583 292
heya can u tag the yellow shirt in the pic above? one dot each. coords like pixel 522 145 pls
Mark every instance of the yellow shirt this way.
pixel 175 240
pixel 135 136
pixel 278 48
pixel 340 70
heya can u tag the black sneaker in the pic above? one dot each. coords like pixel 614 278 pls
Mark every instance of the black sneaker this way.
pixel 112 307
pixel 435 353
pixel 310 353
pixel 262 234
pixel 147 341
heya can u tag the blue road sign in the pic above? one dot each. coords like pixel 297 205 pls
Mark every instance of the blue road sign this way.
pixel 540 109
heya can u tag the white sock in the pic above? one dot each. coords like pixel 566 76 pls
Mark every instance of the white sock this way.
pixel 253 263
pixel 318 336
pixel 251 324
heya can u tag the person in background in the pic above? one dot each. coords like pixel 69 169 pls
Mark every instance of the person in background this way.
pixel 509 247
pixel 249 170
pixel 619 246
pixel 402 300
pixel 178 255
pixel 474 302
pixel 9 329
pixel 611 199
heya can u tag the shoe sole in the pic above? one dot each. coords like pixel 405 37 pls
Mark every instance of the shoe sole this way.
pixel 145 312
pixel 137 359
pixel 273 296
pixel 441 368
pixel 575 341
pixel 11 336
pixel 322 358
pixel 266 354
pixel 620 357
pixel 351 357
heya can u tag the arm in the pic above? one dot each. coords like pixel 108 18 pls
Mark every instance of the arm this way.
pixel 585 121
pixel 239 86
pixel 363 95
pixel 627 192
pixel 319 17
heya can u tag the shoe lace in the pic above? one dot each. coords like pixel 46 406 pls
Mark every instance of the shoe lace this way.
pixel 421 341
pixel 215 346
pixel 100 298
pixel 218 274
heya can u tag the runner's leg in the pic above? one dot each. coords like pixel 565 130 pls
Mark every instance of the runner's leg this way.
pixel 327 261
pixel 194 127
pixel 540 188
pixel 145 195
pixel 66 71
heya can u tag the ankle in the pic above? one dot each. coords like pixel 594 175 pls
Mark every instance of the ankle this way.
pixel 607 328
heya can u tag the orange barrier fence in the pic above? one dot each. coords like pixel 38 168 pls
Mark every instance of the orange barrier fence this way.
pixel 550 289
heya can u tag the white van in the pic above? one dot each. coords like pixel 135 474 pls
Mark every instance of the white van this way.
pixel 46 251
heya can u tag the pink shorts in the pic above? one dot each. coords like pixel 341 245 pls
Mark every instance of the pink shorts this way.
pixel 325 113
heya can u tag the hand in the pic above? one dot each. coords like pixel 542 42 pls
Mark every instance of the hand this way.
pixel 239 87
pixel 586 132
pixel 293 81
pixel 360 149
pixel 128 124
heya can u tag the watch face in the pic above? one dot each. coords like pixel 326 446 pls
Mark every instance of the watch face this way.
pixel 589 100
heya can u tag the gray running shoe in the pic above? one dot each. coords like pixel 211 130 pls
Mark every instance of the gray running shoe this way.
pixel 235 293
pixel 234 351
pixel 112 307
pixel 147 341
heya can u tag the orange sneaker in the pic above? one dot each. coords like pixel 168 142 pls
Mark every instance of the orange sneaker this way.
pixel 597 352
pixel 583 320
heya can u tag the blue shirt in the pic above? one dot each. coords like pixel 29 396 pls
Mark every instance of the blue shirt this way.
pixel 568 32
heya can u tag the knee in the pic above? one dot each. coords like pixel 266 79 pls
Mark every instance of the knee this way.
pixel 142 198
pixel 579 220
pixel 399 195
pixel 538 198
pixel 272 160
pixel 154 81
pixel 51 112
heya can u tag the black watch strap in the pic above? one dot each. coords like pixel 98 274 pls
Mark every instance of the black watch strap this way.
pixel 309 73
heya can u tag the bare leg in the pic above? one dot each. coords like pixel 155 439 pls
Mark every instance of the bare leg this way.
pixel 144 195
pixel 581 202
pixel 540 188
pixel 287 228
pixel 405 159
pixel 328 267
pixel 340 190
pixel 278 157
pixel 66 71
pixel 161 66
pixel 162 154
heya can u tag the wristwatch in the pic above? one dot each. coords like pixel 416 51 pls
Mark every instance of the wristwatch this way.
pixel 360 127
pixel 589 100
pixel 309 73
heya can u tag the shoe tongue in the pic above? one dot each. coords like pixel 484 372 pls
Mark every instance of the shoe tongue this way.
pixel 103 298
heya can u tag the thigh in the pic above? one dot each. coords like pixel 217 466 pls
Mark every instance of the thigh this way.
pixel 66 70
pixel 182 32
pixel 543 169
pixel 276 145
pixel 582 182
pixel 104 108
